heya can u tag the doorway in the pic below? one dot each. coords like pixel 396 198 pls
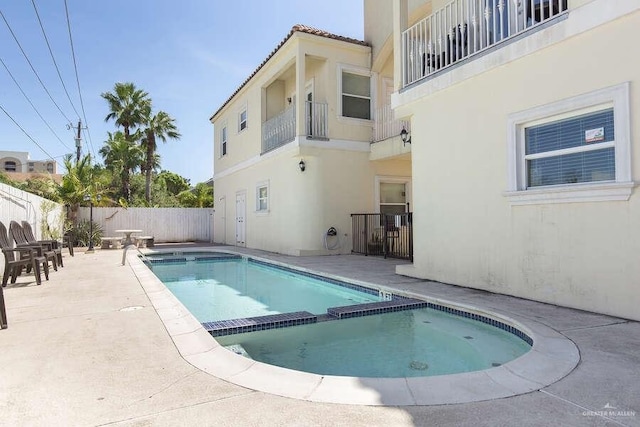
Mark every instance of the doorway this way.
pixel 241 208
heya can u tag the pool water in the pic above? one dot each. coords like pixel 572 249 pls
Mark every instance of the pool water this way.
pixel 234 288
pixel 413 343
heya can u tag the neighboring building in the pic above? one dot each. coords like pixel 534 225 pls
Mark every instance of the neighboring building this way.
pixel 525 150
pixel 21 167
pixel 293 156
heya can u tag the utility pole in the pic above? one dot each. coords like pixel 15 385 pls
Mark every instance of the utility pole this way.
pixel 78 141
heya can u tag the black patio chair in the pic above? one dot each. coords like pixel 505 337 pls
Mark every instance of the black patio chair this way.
pixel 27 257
pixel 17 234
pixel 54 245
pixel 13 265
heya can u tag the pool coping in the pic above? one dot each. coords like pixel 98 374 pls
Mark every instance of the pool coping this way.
pixel 552 357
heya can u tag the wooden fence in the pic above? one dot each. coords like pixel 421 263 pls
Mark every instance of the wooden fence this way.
pixel 164 224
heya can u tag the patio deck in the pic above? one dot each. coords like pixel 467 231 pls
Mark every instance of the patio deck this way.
pixel 88 348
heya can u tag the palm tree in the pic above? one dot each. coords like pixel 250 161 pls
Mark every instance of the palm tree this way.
pixel 159 126
pixel 122 157
pixel 126 106
pixel 78 182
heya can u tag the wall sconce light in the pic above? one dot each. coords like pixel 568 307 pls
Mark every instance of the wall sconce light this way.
pixel 302 166
pixel 405 136
pixel 289 100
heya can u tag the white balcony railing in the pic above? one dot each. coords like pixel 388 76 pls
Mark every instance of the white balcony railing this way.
pixel 464 28
pixel 386 126
pixel 317 125
pixel 279 130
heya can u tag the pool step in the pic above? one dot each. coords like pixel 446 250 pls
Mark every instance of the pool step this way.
pixel 260 323
pixel 368 309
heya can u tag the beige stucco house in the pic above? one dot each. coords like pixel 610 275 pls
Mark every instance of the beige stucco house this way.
pixel 293 148
pixel 525 149
pixel 523 159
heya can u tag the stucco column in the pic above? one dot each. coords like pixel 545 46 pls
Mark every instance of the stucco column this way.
pixel 300 95
pixel 400 22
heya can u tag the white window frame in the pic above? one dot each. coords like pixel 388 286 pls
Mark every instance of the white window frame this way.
pixel 383 179
pixel 244 111
pixel 362 72
pixel 260 185
pixel 517 192
pixel 224 140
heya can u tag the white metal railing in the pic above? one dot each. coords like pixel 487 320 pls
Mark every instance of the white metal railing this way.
pixel 317 125
pixel 386 126
pixel 464 28
pixel 279 130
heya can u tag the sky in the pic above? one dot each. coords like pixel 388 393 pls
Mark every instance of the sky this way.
pixel 190 56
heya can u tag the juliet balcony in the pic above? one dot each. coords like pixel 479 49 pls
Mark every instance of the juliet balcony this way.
pixel 465 28
pixel 281 129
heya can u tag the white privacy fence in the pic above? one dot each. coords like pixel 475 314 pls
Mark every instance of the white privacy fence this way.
pixel 18 205
pixel 164 224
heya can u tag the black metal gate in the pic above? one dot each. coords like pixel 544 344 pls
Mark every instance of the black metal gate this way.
pixel 383 234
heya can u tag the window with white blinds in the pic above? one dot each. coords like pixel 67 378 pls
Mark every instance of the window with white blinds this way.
pixel 572 150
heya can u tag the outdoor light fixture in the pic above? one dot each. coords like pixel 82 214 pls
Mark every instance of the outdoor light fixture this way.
pixel 289 100
pixel 302 166
pixel 405 136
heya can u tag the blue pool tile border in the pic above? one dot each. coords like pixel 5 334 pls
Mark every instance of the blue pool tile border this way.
pixel 368 309
pixel 260 323
pixel 200 258
pixel 166 260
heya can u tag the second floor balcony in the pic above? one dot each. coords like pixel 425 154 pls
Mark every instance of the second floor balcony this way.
pixel 386 125
pixel 464 28
pixel 281 129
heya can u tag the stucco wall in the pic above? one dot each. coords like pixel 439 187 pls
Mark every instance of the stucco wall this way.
pixel 582 255
pixel 302 205
pixel 323 57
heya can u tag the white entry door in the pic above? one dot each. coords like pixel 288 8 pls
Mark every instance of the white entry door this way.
pixel 241 207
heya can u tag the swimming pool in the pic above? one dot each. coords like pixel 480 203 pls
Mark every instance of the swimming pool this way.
pixel 552 356
pixel 215 288
pixel 226 293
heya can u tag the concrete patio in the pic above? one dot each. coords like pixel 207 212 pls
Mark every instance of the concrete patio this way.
pixel 88 348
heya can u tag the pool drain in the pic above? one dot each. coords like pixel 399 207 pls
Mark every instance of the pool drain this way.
pixel 418 366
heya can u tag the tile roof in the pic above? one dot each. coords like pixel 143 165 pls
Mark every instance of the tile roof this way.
pixel 298 28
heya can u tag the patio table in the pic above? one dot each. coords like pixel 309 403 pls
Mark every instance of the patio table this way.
pixel 127 234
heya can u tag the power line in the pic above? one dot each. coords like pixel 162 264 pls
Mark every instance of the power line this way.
pixel 75 66
pixel 32 68
pixel 31 103
pixel 46 39
pixel 25 132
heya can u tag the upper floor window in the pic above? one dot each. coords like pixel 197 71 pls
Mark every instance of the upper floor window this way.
pixel 10 166
pixel 242 120
pixel 223 141
pixel 356 95
pixel 567 151
pixel 50 167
